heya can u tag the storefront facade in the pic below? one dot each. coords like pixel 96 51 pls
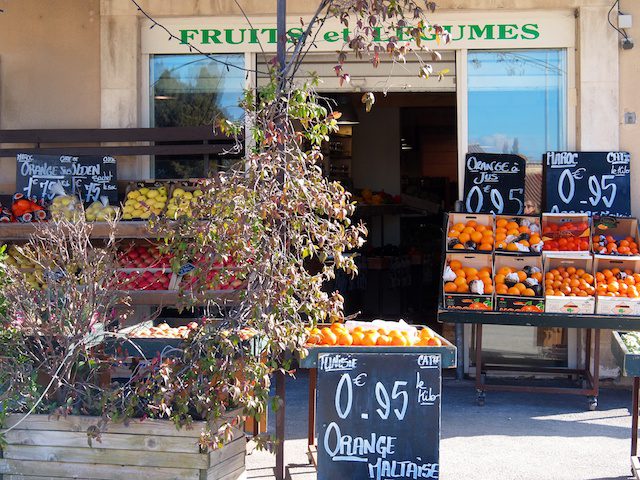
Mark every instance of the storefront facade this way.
pixel 99 64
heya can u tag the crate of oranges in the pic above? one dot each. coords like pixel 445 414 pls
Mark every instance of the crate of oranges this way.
pixel 615 236
pixel 569 285
pixel 519 235
pixel 518 284
pixel 563 232
pixel 617 285
pixel 467 282
pixel 470 233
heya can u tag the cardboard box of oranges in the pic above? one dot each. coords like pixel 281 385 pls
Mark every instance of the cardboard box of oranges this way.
pixel 518 234
pixel 569 284
pixel 564 232
pixel 518 283
pixel 617 285
pixel 467 282
pixel 615 236
pixel 469 232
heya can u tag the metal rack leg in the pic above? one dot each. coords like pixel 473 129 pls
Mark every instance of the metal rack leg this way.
pixel 634 417
pixel 281 393
pixel 479 384
pixel 311 427
pixel 593 400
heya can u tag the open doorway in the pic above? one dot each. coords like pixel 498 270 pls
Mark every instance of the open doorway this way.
pixel 401 163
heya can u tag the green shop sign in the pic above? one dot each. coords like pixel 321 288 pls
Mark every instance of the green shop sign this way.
pixel 467 32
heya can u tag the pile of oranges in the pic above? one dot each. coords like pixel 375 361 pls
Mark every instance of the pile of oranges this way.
pixel 608 245
pixel 466 275
pixel 510 234
pixel 470 236
pixel 617 283
pixel 569 282
pixel 338 334
pixel 523 283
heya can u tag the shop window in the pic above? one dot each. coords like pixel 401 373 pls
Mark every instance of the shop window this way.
pixel 517 104
pixel 194 90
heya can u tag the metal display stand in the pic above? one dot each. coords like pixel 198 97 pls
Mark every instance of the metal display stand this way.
pixel 589 379
pixel 447 351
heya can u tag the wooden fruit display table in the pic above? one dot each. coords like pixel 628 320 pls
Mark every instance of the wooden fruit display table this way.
pixel 590 378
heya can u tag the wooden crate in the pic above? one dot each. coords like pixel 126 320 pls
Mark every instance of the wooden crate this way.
pixel 42 448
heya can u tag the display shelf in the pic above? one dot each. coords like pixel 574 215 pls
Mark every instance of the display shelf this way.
pixel 447 352
pixel 628 362
pixel 533 319
pixel 124 229
pixel 170 297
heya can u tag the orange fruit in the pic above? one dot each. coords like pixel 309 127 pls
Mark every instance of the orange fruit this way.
pixel 399 341
pixel 345 339
pixel 434 342
pixel 485 247
pixel 502 289
pixel 426 332
pixel 499 278
pixel 458 226
pixel 358 338
pixel 520 286
pixel 464 238
pixel 521 275
pixel 476 237
pixel 472 224
pixel 613 287
pixel 328 337
pixel 504 271
pixel 512 226
pixel 382 331
pixel 512 247
pixel 501 222
pixel 488 289
pixel 513 291
pixel 463 288
pixel 383 340
pixel 370 338
pixel 455 265
pixel 450 287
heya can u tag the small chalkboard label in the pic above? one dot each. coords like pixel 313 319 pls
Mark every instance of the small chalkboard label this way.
pixel 89 177
pixel 494 183
pixel 587 182
pixel 186 268
pixel 378 415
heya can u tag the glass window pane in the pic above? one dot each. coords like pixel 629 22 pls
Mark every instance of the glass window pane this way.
pixel 194 90
pixel 517 104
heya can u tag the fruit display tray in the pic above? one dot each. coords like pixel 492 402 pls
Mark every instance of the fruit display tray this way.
pixel 628 362
pixel 447 351
pixel 610 322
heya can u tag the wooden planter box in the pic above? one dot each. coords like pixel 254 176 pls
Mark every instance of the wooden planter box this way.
pixel 42 448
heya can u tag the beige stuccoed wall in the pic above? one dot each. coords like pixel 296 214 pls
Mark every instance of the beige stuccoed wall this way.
pixel 49 64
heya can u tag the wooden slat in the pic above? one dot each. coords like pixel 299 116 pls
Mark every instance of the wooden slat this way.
pixel 116 441
pixel 239 445
pixel 80 424
pixel 95 472
pixel 122 150
pixel 163 134
pixel 31 477
pixel 105 456
pixel 235 475
pixel 124 229
pixel 227 467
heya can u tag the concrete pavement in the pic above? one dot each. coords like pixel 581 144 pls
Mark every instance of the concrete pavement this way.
pixel 513 437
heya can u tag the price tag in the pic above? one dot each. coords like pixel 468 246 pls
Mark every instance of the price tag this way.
pixel 186 268
pixel 587 182
pixel 378 415
pixel 89 177
pixel 494 183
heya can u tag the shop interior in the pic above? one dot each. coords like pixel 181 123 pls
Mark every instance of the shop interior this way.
pixel 400 162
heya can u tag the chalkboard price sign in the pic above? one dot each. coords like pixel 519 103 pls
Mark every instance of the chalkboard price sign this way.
pixel 587 182
pixel 89 177
pixel 378 415
pixel 494 183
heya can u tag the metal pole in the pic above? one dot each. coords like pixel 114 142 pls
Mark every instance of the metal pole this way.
pixel 282 37
pixel 280 377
